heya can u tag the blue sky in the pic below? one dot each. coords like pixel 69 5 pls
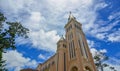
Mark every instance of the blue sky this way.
pixel 46 19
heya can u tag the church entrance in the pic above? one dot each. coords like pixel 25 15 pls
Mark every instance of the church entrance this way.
pixel 87 69
pixel 74 69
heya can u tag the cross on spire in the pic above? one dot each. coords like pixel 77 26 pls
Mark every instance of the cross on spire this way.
pixel 71 16
pixel 70 12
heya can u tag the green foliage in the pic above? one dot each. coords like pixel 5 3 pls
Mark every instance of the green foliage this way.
pixel 2 63
pixel 2 19
pixel 99 58
pixel 8 35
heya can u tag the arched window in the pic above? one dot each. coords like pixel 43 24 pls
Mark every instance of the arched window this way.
pixel 87 68
pixel 74 69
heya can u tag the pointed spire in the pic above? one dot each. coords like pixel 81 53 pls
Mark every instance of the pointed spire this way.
pixel 70 12
pixel 70 16
pixel 62 38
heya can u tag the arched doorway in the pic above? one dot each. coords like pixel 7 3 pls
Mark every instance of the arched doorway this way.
pixel 74 69
pixel 87 68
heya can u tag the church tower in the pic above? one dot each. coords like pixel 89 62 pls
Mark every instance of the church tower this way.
pixel 73 53
pixel 61 54
pixel 79 56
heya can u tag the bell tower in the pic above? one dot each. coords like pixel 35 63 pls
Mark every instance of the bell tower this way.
pixel 73 53
pixel 61 54
pixel 78 52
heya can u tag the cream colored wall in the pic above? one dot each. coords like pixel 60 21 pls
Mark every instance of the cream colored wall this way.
pixel 48 65
pixel 78 61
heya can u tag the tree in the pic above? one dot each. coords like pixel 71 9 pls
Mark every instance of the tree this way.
pixel 8 32
pixel 99 58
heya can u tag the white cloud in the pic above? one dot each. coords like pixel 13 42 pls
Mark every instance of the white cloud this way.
pixel 41 39
pixel 21 41
pixel 115 36
pixel 103 51
pixel 68 4
pixel 50 12
pixel 107 28
pixel 113 62
pixel 106 32
pixel 15 6
pixel 117 67
pixel 45 56
pixel 47 40
pixel 36 17
pixel 46 15
pixel 41 56
pixel 93 51
pixel 35 21
pixel 100 35
pixel 101 5
pixel 114 15
pixel 91 43
pixel 17 61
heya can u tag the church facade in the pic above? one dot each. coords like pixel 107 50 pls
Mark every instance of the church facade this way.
pixel 73 53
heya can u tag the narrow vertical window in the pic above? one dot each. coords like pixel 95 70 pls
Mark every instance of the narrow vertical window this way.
pixel 64 62
pixel 57 61
pixel 85 49
pixel 69 50
pixel 73 48
pixel 80 47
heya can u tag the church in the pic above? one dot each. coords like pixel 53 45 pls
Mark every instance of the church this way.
pixel 73 53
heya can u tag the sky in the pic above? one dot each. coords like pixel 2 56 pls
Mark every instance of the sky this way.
pixel 46 19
